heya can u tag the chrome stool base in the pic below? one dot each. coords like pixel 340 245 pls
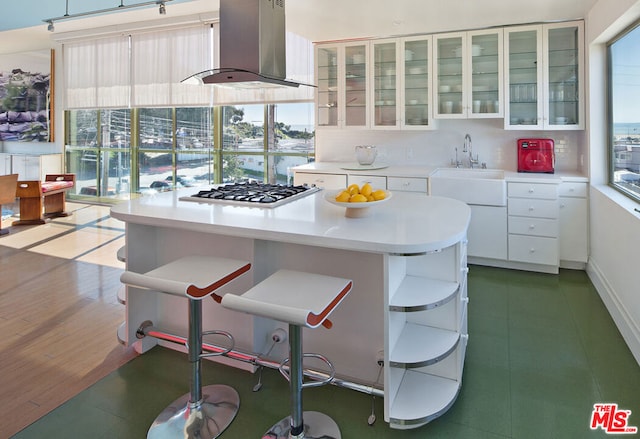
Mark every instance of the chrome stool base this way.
pixel 204 420
pixel 316 426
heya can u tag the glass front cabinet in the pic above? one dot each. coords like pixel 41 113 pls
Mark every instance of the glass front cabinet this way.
pixel 342 85
pixel 400 75
pixel 545 74
pixel 469 74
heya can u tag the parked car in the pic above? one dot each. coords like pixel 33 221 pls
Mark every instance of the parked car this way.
pixel 182 180
pixel 161 186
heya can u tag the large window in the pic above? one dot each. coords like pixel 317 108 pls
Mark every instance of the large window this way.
pixel 624 112
pixel 116 153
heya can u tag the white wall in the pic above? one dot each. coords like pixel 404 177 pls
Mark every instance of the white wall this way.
pixel 614 225
pixel 494 145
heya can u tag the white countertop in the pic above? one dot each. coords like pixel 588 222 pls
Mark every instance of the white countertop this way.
pixel 406 223
pixel 424 171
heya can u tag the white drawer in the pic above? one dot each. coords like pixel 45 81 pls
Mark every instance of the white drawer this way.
pixel 533 250
pixel 571 189
pixel 533 208
pixel 521 225
pixel 325 181
pixel 407 184
pixel 533 190
pixel 376 181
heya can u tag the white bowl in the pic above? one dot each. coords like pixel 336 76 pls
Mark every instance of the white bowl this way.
pixel 355 210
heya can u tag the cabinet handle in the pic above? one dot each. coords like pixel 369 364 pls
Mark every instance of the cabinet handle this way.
pixel 531 208
pixel 531 190
pixel 532 250
pixel 532 226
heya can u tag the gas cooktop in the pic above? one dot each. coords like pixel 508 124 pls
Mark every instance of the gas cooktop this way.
pixel 251 194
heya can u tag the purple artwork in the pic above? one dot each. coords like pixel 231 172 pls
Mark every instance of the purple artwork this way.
pixel 25 97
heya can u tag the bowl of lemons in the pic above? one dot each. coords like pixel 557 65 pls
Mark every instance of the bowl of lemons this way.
pixel 358 200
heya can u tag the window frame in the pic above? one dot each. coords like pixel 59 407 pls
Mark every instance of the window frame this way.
pixel 611 165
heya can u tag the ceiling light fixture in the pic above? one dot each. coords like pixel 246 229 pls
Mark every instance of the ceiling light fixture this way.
pixel 50 21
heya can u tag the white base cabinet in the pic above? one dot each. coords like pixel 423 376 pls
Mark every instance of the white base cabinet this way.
pixel 574 247
pixel 426 335
pixel 35 167
pixel 533 223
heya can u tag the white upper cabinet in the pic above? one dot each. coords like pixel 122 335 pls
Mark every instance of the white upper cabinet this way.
pixel 415 73
pixel 385 69
pixel 545 76
pixel 326 63
pixel 468 74
pixel 486 74
pixel 400 78
pixel 342 85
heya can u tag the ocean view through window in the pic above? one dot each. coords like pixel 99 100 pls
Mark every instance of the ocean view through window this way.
pixel 624 112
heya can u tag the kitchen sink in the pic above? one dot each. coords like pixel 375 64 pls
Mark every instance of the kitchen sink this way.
pixel 485 187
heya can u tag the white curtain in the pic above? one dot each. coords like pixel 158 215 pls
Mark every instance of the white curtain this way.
pixel 97 73
pixel 145 69
pixel 162 59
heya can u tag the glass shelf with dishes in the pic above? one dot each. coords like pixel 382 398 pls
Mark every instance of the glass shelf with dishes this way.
pixel 327 86
pixel 469 74
pixel 544 74
pixel 385 83
pixel 486 74
pixel 416 55
pixel 355 85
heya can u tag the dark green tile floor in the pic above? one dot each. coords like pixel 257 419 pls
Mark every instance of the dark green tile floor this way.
pixel 542 350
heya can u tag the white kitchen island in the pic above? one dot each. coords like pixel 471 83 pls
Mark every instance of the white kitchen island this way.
pixel 407 261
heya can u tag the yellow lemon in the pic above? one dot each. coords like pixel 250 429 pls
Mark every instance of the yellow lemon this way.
pixel 379 195
pixel 358 198
pixel 353 189
pixel 370 198
pixel 366 190
pixel 343 197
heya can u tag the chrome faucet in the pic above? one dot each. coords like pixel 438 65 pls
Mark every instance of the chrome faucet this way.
pixel 467 148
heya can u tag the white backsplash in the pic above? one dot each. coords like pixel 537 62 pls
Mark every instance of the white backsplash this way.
pixel 494 145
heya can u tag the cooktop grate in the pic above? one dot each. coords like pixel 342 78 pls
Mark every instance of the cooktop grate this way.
pixel 251 194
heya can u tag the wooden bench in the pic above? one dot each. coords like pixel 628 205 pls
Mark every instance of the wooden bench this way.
pixel 7 193
pixel 42 200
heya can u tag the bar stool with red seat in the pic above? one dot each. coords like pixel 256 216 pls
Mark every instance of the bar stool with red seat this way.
pixel 299 299
pixel 204 412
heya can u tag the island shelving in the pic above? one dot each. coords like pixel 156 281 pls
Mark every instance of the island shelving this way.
pixel 407 260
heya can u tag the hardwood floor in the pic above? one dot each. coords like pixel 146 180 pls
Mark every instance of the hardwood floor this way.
pixel 58 312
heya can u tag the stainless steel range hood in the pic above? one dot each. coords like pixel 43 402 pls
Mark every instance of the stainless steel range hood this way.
pixel 252 46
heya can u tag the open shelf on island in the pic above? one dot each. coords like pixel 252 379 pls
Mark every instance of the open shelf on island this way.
pixel 418 293
pixel 411 350
pixel 410 408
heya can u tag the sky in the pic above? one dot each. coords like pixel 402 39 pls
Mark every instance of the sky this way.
pixel 626 78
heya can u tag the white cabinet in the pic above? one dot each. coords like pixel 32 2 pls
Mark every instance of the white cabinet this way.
pixel 324 181
pixel 400 78
pixel 5 164
pixel 407 184
pixel 573 223
pixel 545 76
pixel 426 335
pixel 343 84
pixel 533 223
pixel 35 167
pixel 416 111
pixel 376 181
pixel 488 232
pixel 469 74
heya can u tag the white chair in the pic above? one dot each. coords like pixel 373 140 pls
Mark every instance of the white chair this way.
pixel 299 299
pixel 204 412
